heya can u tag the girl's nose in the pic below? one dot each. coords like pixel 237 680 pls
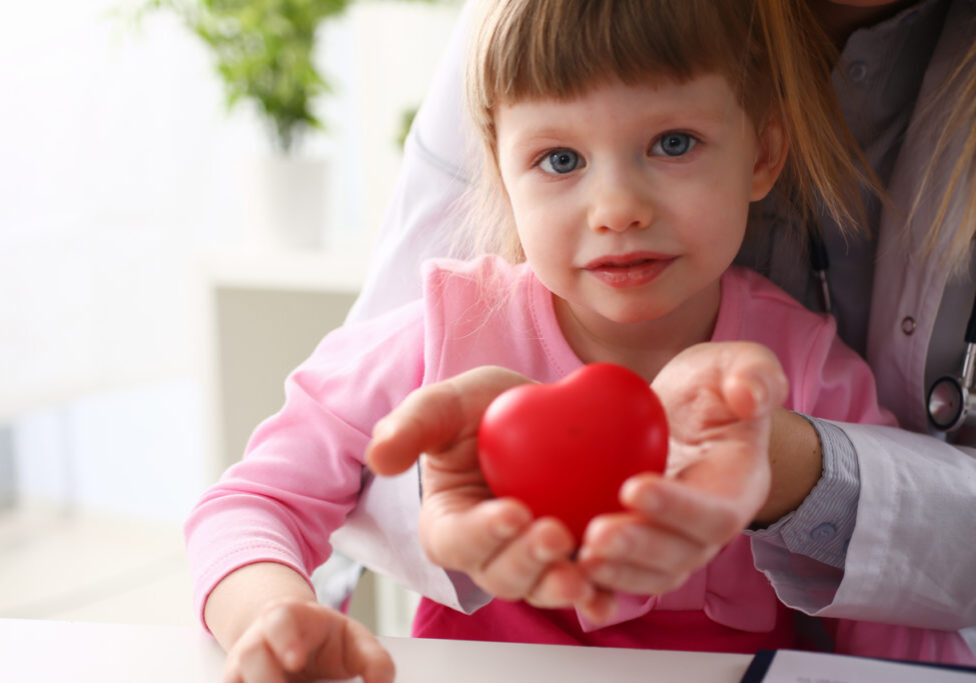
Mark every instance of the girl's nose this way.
pixel 619 201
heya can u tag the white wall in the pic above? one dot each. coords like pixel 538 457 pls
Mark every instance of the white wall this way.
pixel 119 170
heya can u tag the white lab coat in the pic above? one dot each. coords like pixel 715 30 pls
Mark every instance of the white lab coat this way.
pixel 912 558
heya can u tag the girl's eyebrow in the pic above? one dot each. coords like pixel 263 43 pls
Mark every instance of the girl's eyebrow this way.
pixel 708 114
pixel 705 116
pixel 542 134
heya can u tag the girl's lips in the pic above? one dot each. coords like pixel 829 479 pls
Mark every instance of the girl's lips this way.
pixel 628 270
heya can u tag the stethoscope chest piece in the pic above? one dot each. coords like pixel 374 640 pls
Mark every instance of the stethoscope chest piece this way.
pixel 952 400
pixel 949 404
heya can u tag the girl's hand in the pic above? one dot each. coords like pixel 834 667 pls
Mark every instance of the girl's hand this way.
pixel 719 398
pixel 297 640
pixel 462 526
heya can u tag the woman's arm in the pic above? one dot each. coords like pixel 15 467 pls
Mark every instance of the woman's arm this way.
pixel 910 559
pixel 795 462
pixel 440 161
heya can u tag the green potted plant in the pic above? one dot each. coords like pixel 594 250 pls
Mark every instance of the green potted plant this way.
pixel 264 53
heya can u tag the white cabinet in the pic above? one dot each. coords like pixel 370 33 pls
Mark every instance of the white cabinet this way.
pixel 264 314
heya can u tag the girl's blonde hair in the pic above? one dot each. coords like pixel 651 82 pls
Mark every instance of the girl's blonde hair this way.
pixel 772 53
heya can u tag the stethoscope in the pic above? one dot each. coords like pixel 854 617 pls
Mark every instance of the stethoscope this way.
pixel 952 400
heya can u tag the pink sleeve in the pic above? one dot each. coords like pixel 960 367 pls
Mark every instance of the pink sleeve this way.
pixel 827 379
pixel 302 470
pixel 830 381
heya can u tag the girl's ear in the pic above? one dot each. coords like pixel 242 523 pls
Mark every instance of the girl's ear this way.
pixel 773 146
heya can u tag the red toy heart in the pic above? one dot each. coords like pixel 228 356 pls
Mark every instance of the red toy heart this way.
pixel 564 449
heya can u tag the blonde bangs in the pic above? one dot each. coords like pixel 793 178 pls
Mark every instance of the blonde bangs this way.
pixel 531 49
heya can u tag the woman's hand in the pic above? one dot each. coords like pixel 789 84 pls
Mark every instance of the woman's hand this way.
pixel 719 398
pixel 296 640
pixel 462 526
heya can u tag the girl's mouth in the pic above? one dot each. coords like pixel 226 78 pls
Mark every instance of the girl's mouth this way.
pixel 628 270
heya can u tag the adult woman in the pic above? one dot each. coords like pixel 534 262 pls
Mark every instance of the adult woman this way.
pixel 856 514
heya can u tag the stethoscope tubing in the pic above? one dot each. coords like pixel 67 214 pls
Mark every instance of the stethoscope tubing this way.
pixel 951 400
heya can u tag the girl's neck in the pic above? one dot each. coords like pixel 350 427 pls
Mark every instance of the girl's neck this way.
pixel 644 347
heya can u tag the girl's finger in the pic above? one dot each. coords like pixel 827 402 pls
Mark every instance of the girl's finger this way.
pixel 258 664
pixel 347 649
pixel 284 637
pixel 366 656
pixel 231 672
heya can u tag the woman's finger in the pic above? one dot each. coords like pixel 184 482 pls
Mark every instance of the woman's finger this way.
pixel 630 578
pixel 463 535
pixel 521 565
pixel 748 377
pixel 624 539
pixel 700 516
pixel 599 605
pixel 561 586
pixel 436 417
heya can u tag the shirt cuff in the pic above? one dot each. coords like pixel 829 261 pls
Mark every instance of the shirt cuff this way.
pixel 821 527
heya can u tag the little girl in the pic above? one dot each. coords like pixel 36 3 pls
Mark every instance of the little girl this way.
pixel 628 139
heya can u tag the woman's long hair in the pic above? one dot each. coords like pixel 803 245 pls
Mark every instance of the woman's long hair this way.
pixel 952 115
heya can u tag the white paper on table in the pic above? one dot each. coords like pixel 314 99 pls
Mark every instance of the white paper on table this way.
pixel 791 666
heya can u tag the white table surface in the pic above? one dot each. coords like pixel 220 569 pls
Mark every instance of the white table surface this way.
pixel 57 651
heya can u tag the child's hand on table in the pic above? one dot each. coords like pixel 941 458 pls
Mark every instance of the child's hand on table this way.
pixel 302 640
pixel 718 398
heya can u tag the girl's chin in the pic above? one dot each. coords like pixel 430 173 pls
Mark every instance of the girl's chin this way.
pixel 618 315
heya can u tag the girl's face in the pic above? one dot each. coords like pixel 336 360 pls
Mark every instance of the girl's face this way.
pixel 630 201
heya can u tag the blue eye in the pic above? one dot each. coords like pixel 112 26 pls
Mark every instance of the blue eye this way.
pixel 674 144
pixel 560 161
